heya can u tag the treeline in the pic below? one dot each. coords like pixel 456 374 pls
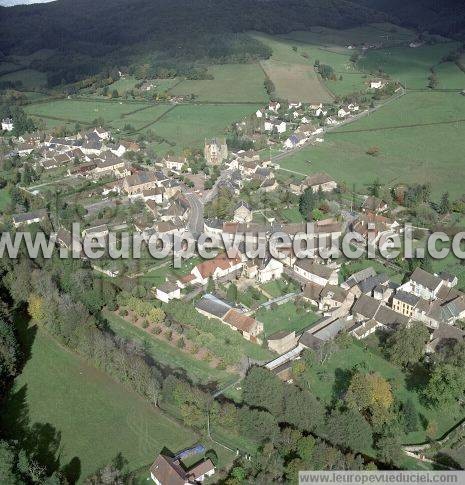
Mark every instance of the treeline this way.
pixel 88 36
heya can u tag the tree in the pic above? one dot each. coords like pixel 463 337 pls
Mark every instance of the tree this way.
pixel 370 394
pixel 444 205
pixel 262 389
pixel 307 203
pixel 7 464
pixel 231 294
pixel 445 384
pixel 389 448
pixel 8 353
pixel 405 346
pixel 410 415
pixel 349 429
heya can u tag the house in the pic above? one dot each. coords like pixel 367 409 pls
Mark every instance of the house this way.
pixel 28 218
pixel 243 213
pixel 320 182
pixel 333 297
pixel 249 328
pixel 312 293
pixel 307 129
pixel 219 267
pixel 111 165
pixel 423 284
pixel 137 183
pixel 295 105
pixel 268 126
pixel 353 108
pixel 174 163
pixel 343 112
pixel 156 194
pixel 215 151
pixel 315 272
pixel 443 337
pixel 404 302
pixel 282 341
pixel 259 113
pixel 212 307
pixel 269 185
pixel 280 127
pixel 168 291
pixel 361 330
pixel 168 470
pixel 377 83
pixel 102 133
pixel 7 124
pixel 25 148
pixel 317 182
pixel 274 106
pixel 356 278
pixel 374 204
pixel 319 112
pixel 270 269
pixel 96 231
pixel 330 121
pixel 295 140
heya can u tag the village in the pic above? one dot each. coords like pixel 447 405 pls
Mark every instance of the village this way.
pixel 286 306
pixel 171 197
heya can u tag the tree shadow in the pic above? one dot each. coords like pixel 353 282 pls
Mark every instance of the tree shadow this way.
pixel 341 382
pixel 72 471
pixel 416 378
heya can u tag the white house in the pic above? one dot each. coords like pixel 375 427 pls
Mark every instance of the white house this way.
pixel 353 107
pixel 269 125
pixel 423 284
pixel 272 269
pixel 295 104
pixel 330 121
pixel 259 113
pixel 174 163
pixel 316 273
pixel 216 268
pixel 274 106
pixel 168 291
pixel 320 112
pixel 295 140
pixel 281 127
pixel 377 84
pixel 7 124
pixel 343 112
pixel 29 217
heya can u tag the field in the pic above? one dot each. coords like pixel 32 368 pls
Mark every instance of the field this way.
pixel 95 417
pixel 285 317
pixel 83 111
pixel 408 151
pixel 410 66
pixel 292 74
pixel 236 83
pixel 189 125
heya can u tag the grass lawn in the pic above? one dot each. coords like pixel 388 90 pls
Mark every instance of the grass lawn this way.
pixel 4 199
pixel 450 76
pixel 232 82
pixel 96 417
pixel 292 214
pixel 293 75
pixel 279 287
pixel 169 356
pixel 331 380
pixel 189 125
pixel 142 117
pixel 410 66
pixel 285 317
pixel 83 111
pixel 413 154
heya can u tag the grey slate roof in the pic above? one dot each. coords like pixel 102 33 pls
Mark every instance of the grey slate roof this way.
pixel 213 305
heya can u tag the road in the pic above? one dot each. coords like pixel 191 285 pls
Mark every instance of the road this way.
pixel 195 223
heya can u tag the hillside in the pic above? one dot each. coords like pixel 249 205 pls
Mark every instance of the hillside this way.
pixel 92 35
pixel 446 17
